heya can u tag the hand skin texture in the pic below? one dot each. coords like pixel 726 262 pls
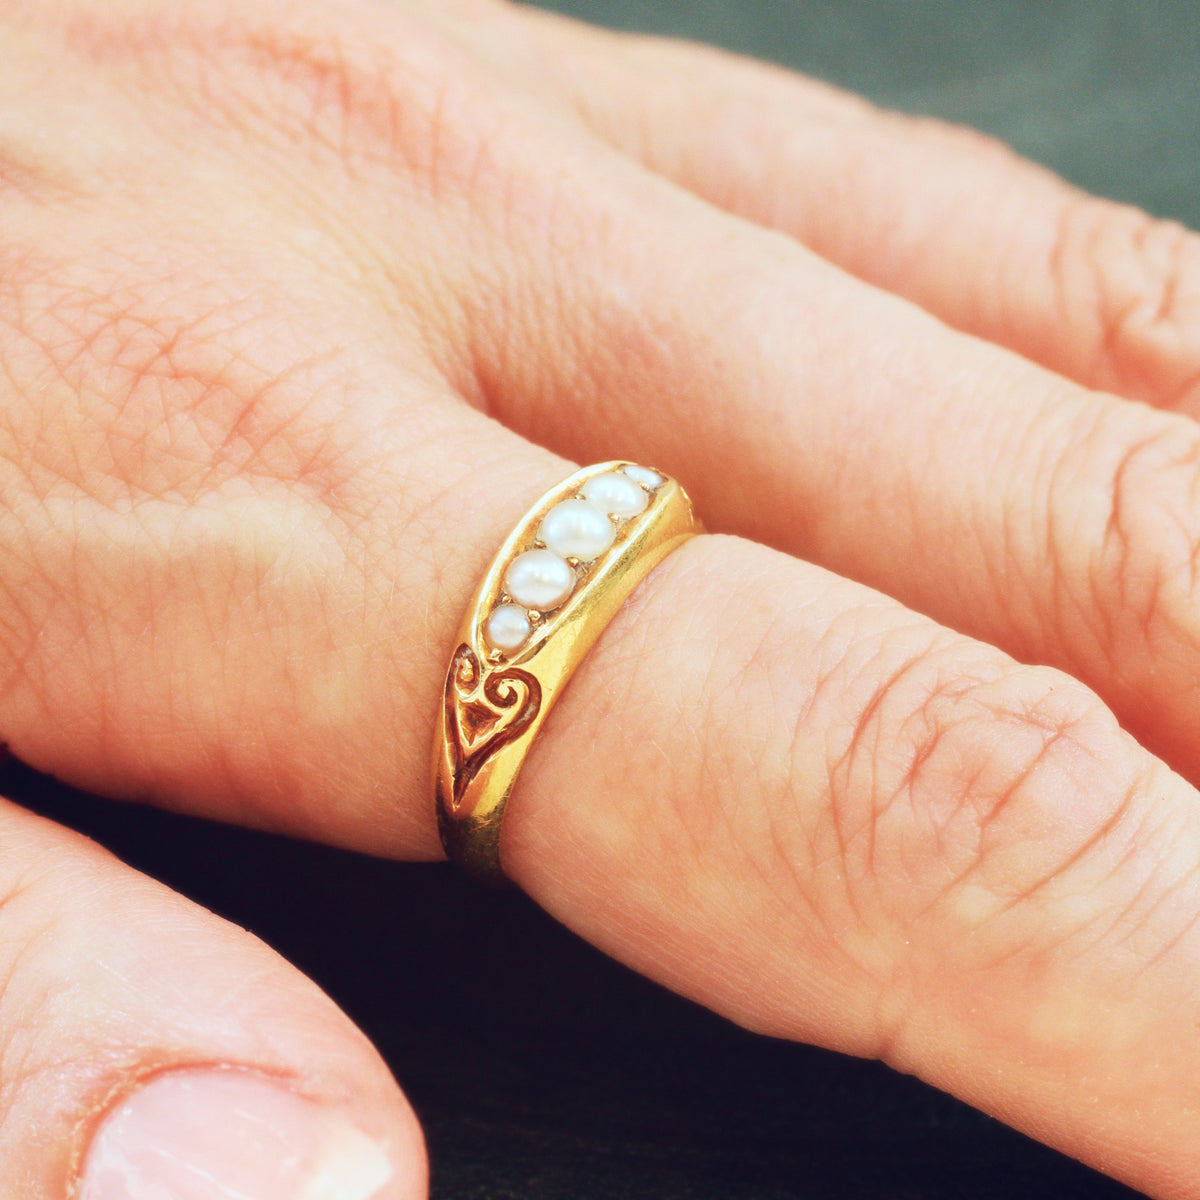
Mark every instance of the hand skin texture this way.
pixel 303 303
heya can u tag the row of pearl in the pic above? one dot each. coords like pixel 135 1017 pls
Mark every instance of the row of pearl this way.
pixel 574 531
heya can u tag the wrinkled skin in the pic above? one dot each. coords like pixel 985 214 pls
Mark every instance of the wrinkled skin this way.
pixel 303 304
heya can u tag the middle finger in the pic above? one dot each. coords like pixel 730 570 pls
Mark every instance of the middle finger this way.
pixel 842 424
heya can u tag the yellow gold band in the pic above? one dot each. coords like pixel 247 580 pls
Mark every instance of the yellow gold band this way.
pixel 554 585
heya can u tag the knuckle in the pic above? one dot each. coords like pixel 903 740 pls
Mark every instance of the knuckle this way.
pixel 1134 573
pixel 981 786
pixel 1019 836
pixel 1138 279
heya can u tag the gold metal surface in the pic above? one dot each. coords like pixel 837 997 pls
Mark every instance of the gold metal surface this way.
pixel 494 702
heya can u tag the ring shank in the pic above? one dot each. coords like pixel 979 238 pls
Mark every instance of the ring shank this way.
pixel 495 702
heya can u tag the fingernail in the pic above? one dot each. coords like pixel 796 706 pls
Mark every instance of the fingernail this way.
pixel 229 1135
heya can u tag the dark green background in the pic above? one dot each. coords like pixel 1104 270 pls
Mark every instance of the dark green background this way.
pixel 541 1070
pixel 1107 93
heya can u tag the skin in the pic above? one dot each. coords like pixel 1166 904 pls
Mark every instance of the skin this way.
pixel 303 304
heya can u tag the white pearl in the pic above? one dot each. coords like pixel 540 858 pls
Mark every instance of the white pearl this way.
pixel 539 579
pixel 507 627
pixel 646 477
pixel 577 529
pixel 615 494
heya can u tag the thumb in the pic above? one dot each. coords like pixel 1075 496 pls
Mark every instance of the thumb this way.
pixel 151 1051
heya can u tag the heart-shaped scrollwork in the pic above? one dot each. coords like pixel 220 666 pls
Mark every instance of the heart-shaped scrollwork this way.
pixel 485 710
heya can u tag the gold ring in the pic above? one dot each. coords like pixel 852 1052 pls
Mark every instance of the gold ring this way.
pixel 554 585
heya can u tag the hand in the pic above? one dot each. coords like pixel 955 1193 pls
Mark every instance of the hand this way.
pixel 302 304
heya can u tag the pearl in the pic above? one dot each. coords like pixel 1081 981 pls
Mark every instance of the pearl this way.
pixel 507 627
pixel 577 529
pixel 646 477
pixel 615 494
pixel 539 579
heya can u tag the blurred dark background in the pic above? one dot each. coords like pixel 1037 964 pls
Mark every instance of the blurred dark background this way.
pixel 587 1083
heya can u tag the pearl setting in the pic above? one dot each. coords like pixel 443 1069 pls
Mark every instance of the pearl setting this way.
pixel 569 541
pixel 617 494
pixel 539 579
pixel 577 529
pixel 508 627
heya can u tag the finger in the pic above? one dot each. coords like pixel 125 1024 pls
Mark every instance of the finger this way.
pixel 228 459
pixel 790 799
pixel 256 651
pixel 837 422
pixel 152 1050
pixel 944 216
